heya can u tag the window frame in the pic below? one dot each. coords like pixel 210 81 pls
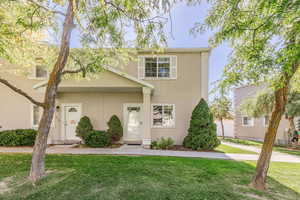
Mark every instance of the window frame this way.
pixel 264 121
pixel 248 125
pixel 32 116
pixel 170 77
pixel 173 113
pixel 35 126
pixel 34 74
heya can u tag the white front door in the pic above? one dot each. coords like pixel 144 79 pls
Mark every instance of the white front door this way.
pixel 72 114
pixel 133 122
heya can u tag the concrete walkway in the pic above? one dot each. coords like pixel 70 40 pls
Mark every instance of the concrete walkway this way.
pixel 138 150
pixel 258 150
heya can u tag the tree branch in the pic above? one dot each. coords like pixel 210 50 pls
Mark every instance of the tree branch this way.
pixel 21 92
pixel 81 69
pixel 47 9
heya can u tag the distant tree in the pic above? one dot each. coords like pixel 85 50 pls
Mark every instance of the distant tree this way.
pixel 202 133
pixel 262 103
pixel 221 108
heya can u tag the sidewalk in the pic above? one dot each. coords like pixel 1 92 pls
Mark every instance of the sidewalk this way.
pixel 258 150
pixel 138 150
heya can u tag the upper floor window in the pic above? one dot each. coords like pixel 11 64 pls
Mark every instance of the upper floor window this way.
pixel 157 67
pixel 40 72
pixel 247 121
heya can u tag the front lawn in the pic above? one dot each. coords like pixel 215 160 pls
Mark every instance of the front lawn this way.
pixel 143 177
pixel 228 149
pixel 295 152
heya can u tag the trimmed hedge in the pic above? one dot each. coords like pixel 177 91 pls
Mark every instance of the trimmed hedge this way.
pixel 84 127
pixel 18 137
pixel 97 139
pixel 115 129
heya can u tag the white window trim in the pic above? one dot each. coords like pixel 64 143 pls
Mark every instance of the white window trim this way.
pixel 163 104
pixel 35 126
pixel 264 121
pixel 249 125
pixel 158 56
pixel 33 75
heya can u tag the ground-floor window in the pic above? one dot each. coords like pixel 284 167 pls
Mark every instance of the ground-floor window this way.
pixel 247 121
pixel 163 115
pixel 266 120
pixel 36 114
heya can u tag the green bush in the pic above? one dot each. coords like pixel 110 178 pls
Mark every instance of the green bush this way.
pixel 84 126
pixel 115 129
pixel 202 133
pixel 97 139
pixel 19 137
pixel 162 143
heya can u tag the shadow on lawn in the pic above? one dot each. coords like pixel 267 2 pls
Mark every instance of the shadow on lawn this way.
pixel 124 177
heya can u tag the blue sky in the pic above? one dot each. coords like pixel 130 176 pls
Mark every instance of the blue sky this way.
pixel 184 17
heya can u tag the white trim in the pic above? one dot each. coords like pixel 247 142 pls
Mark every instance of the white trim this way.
pixel 125 119
pixel 264 121
pixel 113 70
pixel 157 77
pixel 173 112
pixel 249 125
pixel 63 135
pixel 34 126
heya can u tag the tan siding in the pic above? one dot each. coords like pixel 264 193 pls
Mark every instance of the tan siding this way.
pixel 256 132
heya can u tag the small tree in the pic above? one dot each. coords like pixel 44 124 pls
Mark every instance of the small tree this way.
pixel 84 127
pixel 115 129
pixel 202 133
pixel 221 109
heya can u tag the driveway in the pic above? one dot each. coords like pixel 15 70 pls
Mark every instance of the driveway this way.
pixel 138 150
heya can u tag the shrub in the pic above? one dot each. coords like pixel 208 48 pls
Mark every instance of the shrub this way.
pixel 26 136
pixel 19 137
pixel 97 139
pixel 84 127
pixel 162 143
pixel 115 129
pixel 202 133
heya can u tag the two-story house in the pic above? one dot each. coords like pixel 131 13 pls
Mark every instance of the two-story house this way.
pixel 154 97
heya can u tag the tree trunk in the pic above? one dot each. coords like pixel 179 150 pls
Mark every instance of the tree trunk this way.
pixel 259 179
pixel 222 125
pixel 37 170
pixel 292 128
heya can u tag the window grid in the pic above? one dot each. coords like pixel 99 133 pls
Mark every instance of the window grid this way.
pixel 157 67
pixel 163 116
pixel 247 121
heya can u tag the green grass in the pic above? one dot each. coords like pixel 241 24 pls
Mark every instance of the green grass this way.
pixel 228 149
pixel 244 142
pixel 138 177
pixel 294 152
pixel 281 149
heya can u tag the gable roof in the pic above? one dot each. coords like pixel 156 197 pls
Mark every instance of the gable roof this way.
pixel 113 70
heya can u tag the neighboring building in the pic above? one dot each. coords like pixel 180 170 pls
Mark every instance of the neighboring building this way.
pixel 246 127
pixel 153 96
pixel 228 128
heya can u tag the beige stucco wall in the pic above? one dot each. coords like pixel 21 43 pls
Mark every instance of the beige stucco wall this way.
pixel 15 110
pixel 257 131
pixel 185 92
